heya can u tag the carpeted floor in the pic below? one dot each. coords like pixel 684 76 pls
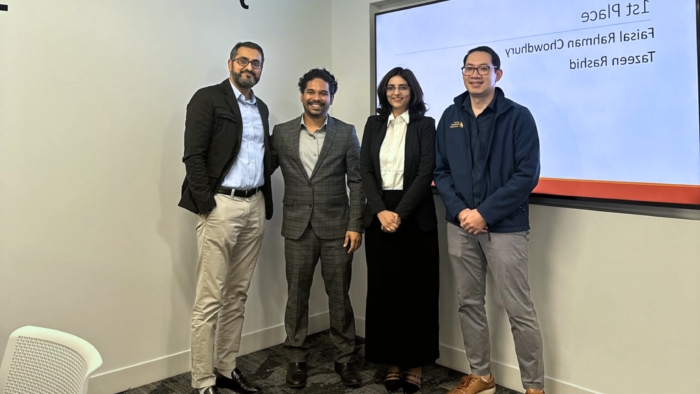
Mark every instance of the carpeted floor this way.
pixel 268 368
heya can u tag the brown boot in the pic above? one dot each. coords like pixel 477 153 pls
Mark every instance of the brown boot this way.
pixel 472 384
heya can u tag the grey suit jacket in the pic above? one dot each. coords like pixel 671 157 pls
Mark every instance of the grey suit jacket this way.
pixel 320 199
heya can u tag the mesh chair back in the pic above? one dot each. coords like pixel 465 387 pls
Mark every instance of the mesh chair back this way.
pixel 39 360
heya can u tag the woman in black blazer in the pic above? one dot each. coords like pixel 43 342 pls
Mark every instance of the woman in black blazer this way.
pixel 401 244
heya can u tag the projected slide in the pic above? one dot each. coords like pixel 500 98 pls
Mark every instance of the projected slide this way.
pixel 613 86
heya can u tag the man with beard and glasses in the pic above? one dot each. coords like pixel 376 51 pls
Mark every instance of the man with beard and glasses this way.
pixel 228 164
pixel 317 153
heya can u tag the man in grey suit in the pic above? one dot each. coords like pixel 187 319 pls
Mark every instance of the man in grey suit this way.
pixel 317 153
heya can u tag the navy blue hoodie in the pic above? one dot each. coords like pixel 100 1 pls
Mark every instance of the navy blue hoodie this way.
pixel 512 164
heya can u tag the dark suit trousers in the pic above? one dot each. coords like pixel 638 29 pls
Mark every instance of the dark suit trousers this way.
pixel 336 268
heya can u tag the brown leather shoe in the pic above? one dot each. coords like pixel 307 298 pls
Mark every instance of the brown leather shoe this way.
pixel 533 391
pixel 472 384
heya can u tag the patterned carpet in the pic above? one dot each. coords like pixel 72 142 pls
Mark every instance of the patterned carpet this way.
pixel 268 368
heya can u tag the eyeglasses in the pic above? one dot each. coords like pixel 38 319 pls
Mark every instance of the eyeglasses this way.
pixel 243 61
pixel 401 88
pixel 482 70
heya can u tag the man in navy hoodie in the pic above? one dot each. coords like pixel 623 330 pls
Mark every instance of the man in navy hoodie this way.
pixel 488 163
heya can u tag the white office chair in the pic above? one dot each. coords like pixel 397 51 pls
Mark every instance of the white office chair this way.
pixel 44 361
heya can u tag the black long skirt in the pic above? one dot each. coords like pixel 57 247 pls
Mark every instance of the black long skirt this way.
pixel 402 319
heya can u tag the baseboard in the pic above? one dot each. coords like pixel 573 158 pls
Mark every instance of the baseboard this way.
pixel 506 375
pixel 136 375
pixel 122 379
pixel 360 326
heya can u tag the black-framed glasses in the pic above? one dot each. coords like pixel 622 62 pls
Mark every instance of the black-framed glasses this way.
pixel 401 88
pixel 244 61
pixel 482 70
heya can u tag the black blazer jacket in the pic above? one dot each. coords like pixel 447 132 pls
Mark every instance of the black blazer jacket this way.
pixel 213 133
pixel 417 199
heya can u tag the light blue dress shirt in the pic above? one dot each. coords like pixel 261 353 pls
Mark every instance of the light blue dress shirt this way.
pixel 247 171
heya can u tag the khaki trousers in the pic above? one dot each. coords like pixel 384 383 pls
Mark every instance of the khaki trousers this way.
pixel 229 242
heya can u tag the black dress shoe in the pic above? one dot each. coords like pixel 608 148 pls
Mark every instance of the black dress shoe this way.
pixel 209 390
pixel 237 382
pixel 349 375
pixel 296 375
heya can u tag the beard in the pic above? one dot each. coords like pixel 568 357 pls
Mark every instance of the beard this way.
pixel 244 82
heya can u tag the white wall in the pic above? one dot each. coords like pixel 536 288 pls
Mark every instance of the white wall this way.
pixel 617 295
pixel 92 106
pixel 92 103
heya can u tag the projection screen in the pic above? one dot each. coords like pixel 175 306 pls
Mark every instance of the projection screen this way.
pixel 613 86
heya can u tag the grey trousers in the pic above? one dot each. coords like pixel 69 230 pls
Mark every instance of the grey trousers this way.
pixel 336 268
pixel 505 254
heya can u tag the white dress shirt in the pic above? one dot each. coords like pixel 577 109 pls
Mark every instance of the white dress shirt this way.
pixel 393 152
